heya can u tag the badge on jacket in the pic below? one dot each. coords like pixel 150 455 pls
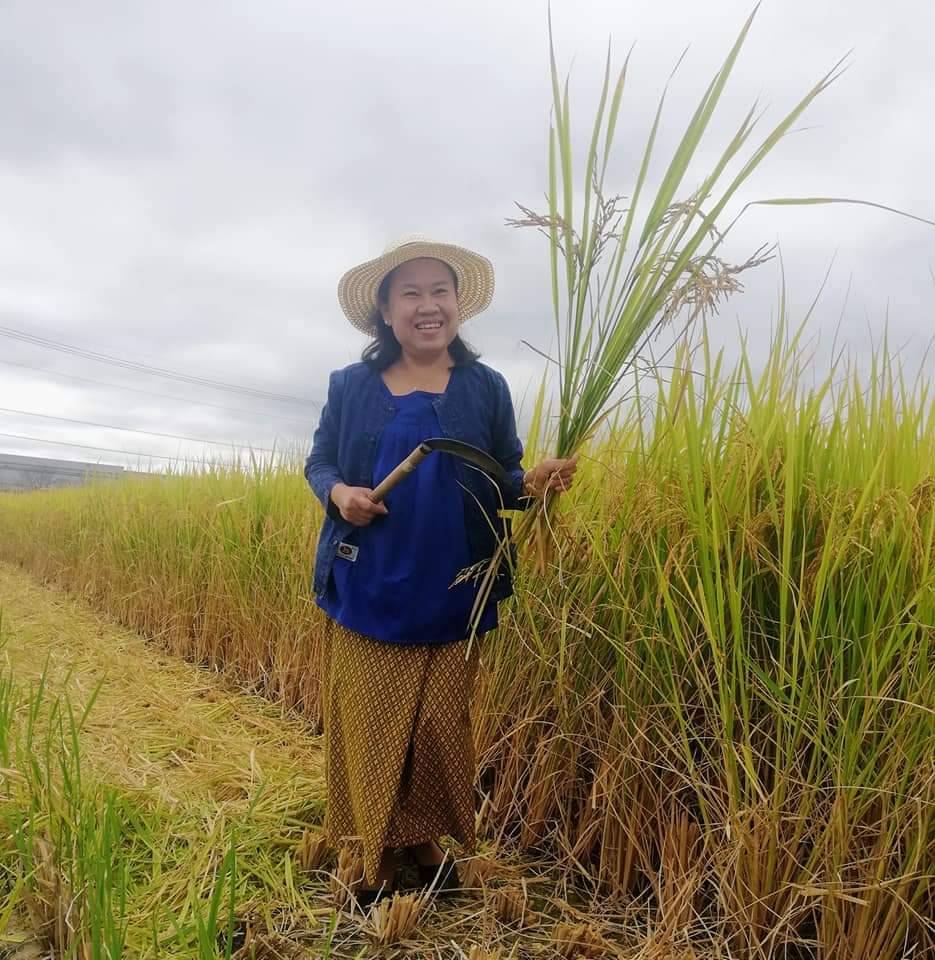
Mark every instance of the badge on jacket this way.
pixel 347 551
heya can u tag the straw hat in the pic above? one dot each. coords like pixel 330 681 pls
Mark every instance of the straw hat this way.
pixel 357 289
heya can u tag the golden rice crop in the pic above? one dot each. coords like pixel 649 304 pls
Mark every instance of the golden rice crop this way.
pixel 717 698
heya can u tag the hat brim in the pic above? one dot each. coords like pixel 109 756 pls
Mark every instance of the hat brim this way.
pixel 357 289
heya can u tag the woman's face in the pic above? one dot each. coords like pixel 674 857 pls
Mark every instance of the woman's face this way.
pixel 422 307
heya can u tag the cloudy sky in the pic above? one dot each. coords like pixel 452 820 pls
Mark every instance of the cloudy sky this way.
pixel 182 183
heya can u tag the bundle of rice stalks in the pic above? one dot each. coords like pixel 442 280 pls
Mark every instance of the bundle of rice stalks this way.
pixel 579 940
pixel 662 948
pixel 680 870
pixel 396 919
pixel 50 903
pixel 476 872
pixel 347 876
pixel 311 852
pixel 267 946
pixel 478 952
pixel 511 906
pixel 252 937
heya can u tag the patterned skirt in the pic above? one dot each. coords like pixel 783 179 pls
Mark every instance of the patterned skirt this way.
pixel 399 756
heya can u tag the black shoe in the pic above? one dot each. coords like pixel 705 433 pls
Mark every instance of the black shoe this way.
pixel 444 876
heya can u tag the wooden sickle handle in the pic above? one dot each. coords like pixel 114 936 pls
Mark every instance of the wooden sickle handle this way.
pixel 400 473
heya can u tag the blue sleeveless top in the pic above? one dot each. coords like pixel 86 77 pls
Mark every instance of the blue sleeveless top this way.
pixel 392 580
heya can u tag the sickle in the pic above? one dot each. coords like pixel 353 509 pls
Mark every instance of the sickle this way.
pixel 456 448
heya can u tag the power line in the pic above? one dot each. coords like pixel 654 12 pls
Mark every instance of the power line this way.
pixel 151 433
pixel 153 393
pixel 146 368
pixel 126 453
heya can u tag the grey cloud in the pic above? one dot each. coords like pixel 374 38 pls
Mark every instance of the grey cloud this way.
pixel 184 183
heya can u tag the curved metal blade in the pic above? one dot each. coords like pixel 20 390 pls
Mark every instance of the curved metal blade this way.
pixel 472 454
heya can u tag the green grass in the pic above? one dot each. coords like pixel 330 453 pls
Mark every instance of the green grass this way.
pixel 124 831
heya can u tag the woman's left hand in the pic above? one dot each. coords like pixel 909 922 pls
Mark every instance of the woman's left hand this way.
pixel 555 475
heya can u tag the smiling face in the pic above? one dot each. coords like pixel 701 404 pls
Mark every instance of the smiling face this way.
pixel 422 307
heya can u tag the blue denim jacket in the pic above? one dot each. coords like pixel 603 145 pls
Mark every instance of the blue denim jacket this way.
pixel 475 408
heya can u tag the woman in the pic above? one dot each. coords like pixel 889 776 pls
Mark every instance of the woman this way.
pixel 399 755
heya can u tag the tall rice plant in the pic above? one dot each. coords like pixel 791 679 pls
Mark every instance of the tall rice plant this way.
pixel 723 702
pixel 623 268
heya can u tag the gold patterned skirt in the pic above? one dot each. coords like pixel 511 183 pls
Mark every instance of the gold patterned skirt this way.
pixel 399 756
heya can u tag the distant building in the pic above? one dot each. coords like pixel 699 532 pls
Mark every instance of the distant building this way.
pixel 33 473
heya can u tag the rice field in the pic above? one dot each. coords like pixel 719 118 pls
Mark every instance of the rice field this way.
pixel 149 809
pixel 709 716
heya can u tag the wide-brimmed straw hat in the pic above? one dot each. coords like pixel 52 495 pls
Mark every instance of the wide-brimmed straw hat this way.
pixel 357 289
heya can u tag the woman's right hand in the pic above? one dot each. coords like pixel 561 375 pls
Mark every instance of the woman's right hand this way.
pixel 355 505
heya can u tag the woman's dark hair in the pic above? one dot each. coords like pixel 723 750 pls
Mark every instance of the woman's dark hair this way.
pixel 384 350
